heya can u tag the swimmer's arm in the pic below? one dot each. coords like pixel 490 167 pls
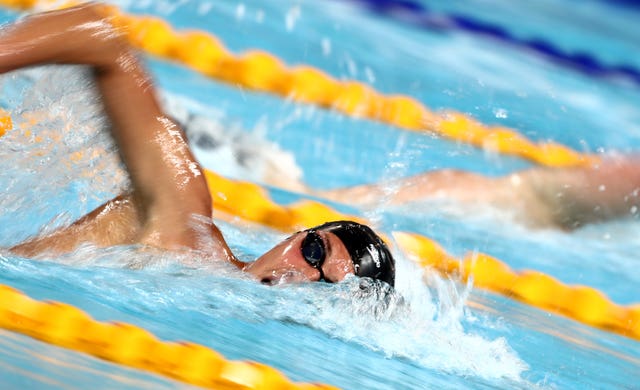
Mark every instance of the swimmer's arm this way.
pixel 566 198
pixel 449 184
pixel 169 187
pixel 575 196
pixel 119 215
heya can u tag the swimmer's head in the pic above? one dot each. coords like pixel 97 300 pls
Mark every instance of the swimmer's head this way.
pixel 328 252
pixel 370 256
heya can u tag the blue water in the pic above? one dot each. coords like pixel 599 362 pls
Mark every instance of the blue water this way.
pixel 440 334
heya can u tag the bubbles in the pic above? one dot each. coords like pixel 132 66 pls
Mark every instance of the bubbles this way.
pixel 259 16
pixel 204 8
pixel 240 11
pixel 381 319
pixel 293 14
pixel 326 46
pixel 369 75
pixel 500 113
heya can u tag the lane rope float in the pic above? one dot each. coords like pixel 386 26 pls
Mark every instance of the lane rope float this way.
pixel 69 327
pixel 581 303
pixel 262 71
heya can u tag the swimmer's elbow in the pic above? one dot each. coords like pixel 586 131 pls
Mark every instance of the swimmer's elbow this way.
pixel 86 34
pixel 109 41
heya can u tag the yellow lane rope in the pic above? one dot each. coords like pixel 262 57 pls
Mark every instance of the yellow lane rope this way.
pixel 261 71
pixel 67 326
pixel 251 202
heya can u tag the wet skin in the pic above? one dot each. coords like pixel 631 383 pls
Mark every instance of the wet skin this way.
pixel 284 263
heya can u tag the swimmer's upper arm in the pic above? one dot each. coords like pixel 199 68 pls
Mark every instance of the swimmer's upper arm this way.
pixel 169 186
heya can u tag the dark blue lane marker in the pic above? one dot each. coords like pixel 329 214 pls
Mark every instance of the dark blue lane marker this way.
pixel 411 12
pixel 628 3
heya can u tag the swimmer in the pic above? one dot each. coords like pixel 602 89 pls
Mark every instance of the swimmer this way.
pixel 169 205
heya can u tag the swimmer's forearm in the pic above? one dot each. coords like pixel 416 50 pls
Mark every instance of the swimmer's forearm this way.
pixel 444 184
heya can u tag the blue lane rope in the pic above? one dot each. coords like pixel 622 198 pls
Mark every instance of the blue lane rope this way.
pixel 627 3
pixel 416 14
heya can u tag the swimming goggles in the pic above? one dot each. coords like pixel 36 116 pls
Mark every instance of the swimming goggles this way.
pixel 314 252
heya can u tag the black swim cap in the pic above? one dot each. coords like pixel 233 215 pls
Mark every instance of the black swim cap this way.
pixel 370 255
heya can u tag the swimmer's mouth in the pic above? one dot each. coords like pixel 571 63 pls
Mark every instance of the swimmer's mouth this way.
pixel 284 278
pixel 268 281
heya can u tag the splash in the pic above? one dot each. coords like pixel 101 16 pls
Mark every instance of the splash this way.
pixel 420 327
pixel 422 320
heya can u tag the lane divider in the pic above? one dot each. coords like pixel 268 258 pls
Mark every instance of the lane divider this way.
pixel 251 202
pixel 419 15
pixel 6 123
pixel 69 327
pixel 261 71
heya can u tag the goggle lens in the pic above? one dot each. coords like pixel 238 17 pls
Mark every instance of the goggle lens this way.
pixel 314 251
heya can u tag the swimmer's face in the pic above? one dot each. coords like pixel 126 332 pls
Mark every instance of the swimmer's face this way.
pixel 286 263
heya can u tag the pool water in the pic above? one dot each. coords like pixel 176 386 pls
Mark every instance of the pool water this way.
pixel 435 332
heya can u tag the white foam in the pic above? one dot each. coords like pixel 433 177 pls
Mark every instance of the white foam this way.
pixel 226 148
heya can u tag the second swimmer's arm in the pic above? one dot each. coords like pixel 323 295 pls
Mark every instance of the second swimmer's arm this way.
pixel 573 197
